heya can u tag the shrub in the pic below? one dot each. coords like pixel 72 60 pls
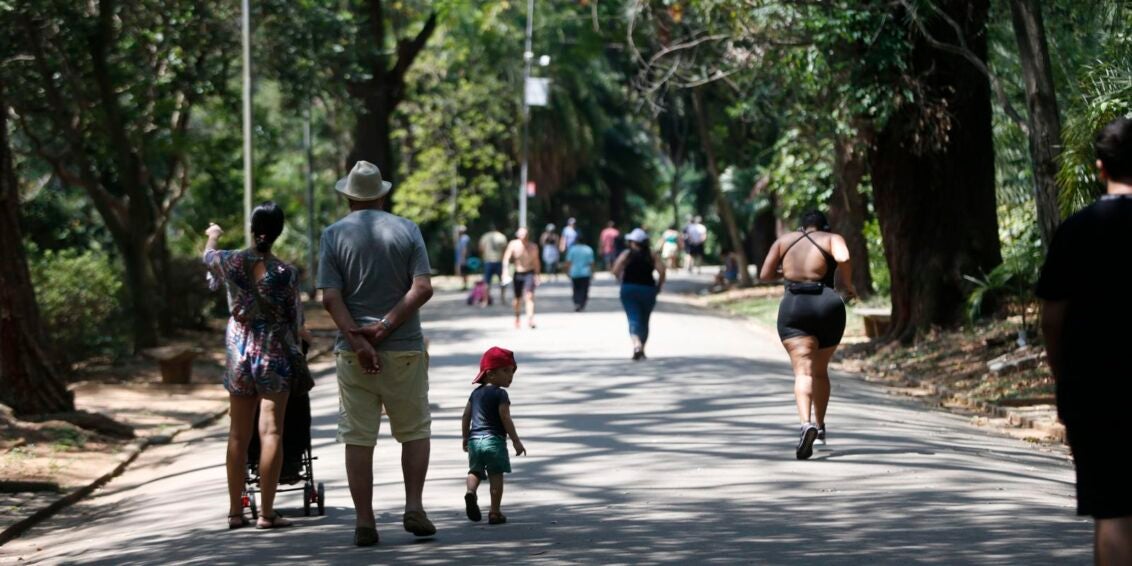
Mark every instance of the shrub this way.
pixel 80 301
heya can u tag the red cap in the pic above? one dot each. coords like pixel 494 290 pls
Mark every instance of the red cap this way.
pixel 495 358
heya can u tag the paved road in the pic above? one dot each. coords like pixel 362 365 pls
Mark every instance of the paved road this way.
pixel 685 457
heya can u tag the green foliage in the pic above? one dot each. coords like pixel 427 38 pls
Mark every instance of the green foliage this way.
pixel 1012 281
pixel 80 300
pixel 1090 46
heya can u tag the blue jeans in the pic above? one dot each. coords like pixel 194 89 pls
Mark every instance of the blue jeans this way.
pixel 638 301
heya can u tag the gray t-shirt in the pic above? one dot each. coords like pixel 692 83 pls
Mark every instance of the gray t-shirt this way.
pixel 373 257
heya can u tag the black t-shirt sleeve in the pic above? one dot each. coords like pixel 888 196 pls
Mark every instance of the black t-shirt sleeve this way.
pixel 503 398
pixel 1058 277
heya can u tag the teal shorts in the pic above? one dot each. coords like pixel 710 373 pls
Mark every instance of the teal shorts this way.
pixel 488 455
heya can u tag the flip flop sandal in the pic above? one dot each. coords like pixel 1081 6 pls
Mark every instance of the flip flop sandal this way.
pixel 243 521
pixel 417 522
pixel 472 507
pixel 276 522
pixel 496 518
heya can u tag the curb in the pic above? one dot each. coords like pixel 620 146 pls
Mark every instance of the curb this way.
pixel 135 448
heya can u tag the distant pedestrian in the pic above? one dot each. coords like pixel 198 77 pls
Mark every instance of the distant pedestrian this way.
pixel 524 254
pixel 463 240
pixel 375 276
pixel 550 253
pixel 608 244
pixel 1085 318
pixel 580 263
pixel 492 245
pixel 569 234
pixel 634 268
pixel 695 239
pixel 811 317
pixel 485 426
pixel 264 358
pixel 670 247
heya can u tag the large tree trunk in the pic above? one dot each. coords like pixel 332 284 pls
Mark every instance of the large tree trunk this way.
pixel 372 136
pixel 934 189
pixel 383 90
pixel 848 207
pixel 29 383
pixel 721 202
pixel 1044 121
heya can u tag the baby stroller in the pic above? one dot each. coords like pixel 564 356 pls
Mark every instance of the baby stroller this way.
pixel 297 459
pixel 478 295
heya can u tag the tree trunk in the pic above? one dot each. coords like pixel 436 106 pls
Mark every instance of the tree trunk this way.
pixel 29 383
pixel 934 189
pixel 848 207
pixel 763 233
pixel 371 138
pixel 1044 121
pixel 721 202
pixel 144 292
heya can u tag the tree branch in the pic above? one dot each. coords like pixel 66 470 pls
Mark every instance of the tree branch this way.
pixel 963 51
pixel 407 52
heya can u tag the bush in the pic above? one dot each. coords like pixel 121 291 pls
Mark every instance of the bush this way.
pixel 80 301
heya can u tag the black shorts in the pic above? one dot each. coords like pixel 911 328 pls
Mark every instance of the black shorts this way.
pixel 697 250
pixel 523 281
pixel 821 315
pixel 1102 482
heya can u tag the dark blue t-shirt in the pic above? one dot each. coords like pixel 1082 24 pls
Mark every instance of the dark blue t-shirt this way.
pixel 485 411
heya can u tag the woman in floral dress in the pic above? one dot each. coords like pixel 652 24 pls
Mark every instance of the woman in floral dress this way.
pixel 263 341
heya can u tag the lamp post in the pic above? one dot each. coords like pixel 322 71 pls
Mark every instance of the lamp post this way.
pixel 245 24
pixel 527 57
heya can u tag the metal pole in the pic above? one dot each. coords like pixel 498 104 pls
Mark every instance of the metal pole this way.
pixel 245 21
pixel 528 55
pixel 310 197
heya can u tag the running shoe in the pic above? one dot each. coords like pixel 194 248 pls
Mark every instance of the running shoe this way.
pixel 806 442
pixel 821 435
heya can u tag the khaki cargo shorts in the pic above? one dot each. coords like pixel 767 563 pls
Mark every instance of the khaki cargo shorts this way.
pixel 401 387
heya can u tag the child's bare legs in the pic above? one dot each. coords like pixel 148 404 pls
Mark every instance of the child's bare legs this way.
pixel 473 482
pixel 496 481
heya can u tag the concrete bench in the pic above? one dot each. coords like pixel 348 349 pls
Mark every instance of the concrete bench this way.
pixel 176 362
pixel 877 321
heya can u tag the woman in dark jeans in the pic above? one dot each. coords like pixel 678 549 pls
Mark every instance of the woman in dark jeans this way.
pixel 634 268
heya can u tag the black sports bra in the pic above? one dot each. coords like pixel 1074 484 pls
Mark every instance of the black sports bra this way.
pixel 830 262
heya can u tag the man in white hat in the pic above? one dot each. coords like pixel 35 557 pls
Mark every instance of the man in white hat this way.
pixel 374 275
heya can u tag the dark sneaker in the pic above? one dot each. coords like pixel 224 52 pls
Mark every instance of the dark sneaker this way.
pixel 806 443
pixel 472 507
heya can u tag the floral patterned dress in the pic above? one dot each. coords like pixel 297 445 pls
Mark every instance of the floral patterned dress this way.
pixel 260 344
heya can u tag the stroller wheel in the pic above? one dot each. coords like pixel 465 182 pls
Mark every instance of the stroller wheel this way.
pixel 307 493
pixel 321 499
pixel 251 503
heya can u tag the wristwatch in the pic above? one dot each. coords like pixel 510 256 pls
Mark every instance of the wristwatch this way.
pixel 385 324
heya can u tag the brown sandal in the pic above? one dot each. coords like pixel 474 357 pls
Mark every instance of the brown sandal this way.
pixel 237 521
pixel 496 518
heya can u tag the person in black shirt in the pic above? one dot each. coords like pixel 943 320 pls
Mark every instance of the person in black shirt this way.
pixel 486 424
pixel 1085 315
pixel 634 268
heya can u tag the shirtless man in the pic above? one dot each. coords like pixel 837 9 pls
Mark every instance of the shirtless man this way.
pixel 524 253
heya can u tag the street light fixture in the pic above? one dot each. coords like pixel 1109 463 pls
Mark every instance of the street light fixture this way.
pixel 535 93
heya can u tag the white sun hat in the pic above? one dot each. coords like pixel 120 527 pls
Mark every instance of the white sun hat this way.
pixel 363 183
pixel 637 235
